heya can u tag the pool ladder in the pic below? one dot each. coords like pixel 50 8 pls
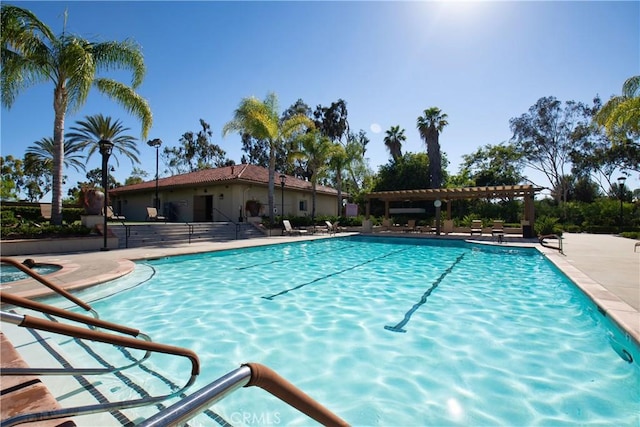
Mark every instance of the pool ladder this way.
pixel 250 374
pixel 542 240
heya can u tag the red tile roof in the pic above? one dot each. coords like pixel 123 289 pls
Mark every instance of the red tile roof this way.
pixel 239 174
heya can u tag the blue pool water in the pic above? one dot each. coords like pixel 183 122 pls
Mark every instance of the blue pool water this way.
pixel 9 273
pixel 390 332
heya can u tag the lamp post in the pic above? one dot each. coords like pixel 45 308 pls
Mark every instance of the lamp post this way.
pixel 105 150
pixel 156 143
pixel 283 179
pixel 621 181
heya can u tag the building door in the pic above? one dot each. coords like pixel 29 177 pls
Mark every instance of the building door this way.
pixel 203 208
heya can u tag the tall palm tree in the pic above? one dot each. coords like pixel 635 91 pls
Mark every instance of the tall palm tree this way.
pixel 316 150
pixel 89 132
pixel 32 53
pixel 43 152
pixel 394 139
pixel 621 114
pixel 430 125
pixel 260 119
pixel 339 162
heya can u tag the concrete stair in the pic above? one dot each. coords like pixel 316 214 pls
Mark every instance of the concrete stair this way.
pixel 160 233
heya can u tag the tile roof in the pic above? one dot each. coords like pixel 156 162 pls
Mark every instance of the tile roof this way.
pixel 237 174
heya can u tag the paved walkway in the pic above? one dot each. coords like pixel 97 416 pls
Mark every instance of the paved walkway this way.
pixel 604 266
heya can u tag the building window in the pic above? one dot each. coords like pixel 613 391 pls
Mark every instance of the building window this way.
pixel 303 206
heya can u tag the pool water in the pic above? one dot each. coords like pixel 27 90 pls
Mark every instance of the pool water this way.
pixel 9 273
pixel 390 332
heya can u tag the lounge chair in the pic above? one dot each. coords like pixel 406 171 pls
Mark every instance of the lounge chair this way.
pixel 331 228
pixel 497 230
pixel 152 215
pixel 411 226
pixel 112 216
pixel 386 225
pixel 476 227
pixel 45 210
pixel 288 230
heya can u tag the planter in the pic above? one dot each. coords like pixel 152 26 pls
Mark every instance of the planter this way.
pixel 57 245
pixel 92 201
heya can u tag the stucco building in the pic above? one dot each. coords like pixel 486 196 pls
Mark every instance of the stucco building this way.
pixel 222 194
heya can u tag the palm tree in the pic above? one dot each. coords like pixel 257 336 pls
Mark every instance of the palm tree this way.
pixel 88 133
pixel 394 139
pixel 43 151
pixel 430 125
pixel 260 120
pixel 316 150
pixel 621 114
pixel 32 54
pixel 339 162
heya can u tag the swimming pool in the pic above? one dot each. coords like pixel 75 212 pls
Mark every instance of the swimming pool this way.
pixel 390 332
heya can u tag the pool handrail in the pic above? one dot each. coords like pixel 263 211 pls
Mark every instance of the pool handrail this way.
pixel 49 284
pixel 541 239
pixel 27 321
pixel 87 320
pixel 249 374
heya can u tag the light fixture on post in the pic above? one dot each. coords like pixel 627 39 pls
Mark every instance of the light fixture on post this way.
pixel 621 181
pixel 437 203
pixel 156 143
pixel 106 147
pixel 283 179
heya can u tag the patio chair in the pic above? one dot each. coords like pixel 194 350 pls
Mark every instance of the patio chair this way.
pixel 476 227
pixel 45 210
pixel 497 230
pixel 112 216
pixel 289 230
pixel 411 226
pixel 152 215
pixel 331 228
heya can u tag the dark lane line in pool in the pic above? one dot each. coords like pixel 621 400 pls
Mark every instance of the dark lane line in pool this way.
pixel 270 297
pixel 408 314
pixel 289 258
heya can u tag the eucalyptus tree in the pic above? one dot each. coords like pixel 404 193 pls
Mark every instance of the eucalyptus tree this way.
pixel 547 135
pixel 393 141
pixel 620 116
pixel 195 152
pixel 261 120
pixel 32 54
pixel 316 151
pixel 430 125
pixel 332 120
pixel 88 133
pixel 493 165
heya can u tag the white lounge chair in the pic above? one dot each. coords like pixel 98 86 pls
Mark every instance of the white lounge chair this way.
pixel 290 230
pixel 112 216
pixel 152 215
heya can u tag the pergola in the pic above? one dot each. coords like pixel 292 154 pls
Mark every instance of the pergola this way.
pixel 448 195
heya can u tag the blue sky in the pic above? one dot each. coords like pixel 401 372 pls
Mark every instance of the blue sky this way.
pixel 482 63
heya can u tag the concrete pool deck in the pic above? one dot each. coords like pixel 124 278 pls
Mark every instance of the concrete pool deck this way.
pixel 603 266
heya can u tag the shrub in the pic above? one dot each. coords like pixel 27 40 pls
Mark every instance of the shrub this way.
pixel 547 225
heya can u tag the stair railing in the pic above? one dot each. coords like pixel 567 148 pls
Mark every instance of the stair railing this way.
pixel 229 220
pixel 250 374
pixel 104 337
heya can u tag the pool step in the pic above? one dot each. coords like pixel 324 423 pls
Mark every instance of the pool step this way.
pixel 158 233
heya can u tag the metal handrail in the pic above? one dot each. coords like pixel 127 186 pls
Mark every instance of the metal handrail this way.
pixel 49 284
pixel 229 220
pixel 69 315
pixel 250 374
pixel 77 332
pixel 550 236
pixel 190 230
